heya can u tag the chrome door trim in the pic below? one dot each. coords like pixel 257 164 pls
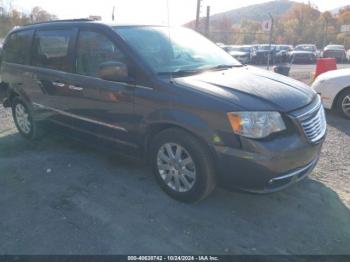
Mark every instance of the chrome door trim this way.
pixel 75 88
pixel 80 117
pixel 95 134
pixel 58 84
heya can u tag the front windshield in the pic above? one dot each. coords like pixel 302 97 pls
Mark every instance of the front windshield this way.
pixel 245 49
pixel 338 47
pixel 171 50
pixel 266 47
pixel 305 48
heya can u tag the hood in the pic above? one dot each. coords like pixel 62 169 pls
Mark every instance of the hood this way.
pixel 301 52
pixel 251 88
pixel 334 75
pixel 238 53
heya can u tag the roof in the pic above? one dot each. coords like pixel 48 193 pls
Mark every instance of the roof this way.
pixel 81 21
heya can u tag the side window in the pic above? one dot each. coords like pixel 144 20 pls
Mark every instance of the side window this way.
pixel 17 47
pixel 51 49
pixel 94 49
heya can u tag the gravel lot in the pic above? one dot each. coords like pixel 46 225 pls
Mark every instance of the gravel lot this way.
pixel 61 197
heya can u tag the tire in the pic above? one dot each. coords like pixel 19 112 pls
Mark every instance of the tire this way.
pixel 344 97
pixel 28 128
pixel 202 183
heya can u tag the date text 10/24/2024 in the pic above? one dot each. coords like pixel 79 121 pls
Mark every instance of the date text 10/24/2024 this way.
pixel 173 258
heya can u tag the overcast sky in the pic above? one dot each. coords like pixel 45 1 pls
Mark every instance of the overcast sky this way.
pixel 146 11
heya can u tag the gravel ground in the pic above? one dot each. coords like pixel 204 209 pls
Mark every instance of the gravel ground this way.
pixel 61 197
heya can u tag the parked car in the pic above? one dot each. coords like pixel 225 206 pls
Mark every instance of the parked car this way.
pixel 242 53
pixel 262 53
pixel 304 54
pixel 335 51
pixel 334 88
pixel 222 45
pixel 197 115
pixel 282 52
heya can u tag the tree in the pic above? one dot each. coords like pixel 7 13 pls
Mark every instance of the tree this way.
pixel 11 17
pixel 40 15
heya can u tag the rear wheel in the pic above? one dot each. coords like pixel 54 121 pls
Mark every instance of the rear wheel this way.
pixel 24 121
pixel 183 165
pixel 343 103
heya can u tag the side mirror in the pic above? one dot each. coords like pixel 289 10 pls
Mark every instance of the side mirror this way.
pixel 113 71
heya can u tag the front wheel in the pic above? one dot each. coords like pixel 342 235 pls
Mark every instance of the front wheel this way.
pixel 24 120
pixel 183 165
pixel 343 103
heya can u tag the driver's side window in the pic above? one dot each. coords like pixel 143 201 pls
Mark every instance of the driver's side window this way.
pixel 93 49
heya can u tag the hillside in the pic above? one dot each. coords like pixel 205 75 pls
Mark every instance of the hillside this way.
pixel 258 12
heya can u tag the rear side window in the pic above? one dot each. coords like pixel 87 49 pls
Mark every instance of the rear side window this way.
pixel 52 49
pixel 18 46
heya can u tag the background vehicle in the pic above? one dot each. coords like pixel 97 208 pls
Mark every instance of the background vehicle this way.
pixel 304 54
pixel 282 51
pixel 262 53
pixel 335 51
pixel 334 87
pixel 241 53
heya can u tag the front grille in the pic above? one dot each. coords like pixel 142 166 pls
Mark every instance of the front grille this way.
pixel 314 123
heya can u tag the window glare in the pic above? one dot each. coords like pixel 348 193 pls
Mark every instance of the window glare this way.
pixel 172 49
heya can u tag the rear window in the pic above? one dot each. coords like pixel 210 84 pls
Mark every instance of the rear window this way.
pixel 51 49
pixel 18 46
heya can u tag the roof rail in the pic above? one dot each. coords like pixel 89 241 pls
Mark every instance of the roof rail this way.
pixel 63 20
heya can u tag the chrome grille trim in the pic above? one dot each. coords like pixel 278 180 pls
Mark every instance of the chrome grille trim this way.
pixel 314 123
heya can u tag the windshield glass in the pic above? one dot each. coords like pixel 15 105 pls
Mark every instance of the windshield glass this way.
pixel 337 47
pixel 305 48
pixel 245 49
pixel 266 47
pixel 232 48
pixel 170 50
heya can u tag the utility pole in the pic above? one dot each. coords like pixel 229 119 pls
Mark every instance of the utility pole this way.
pixel 207 24
pixel 198 14
pixel 326 32
pixel 113 17
pixel 270 42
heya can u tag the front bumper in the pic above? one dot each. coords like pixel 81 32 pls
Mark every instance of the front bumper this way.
pixel 267 171
pixel 274 163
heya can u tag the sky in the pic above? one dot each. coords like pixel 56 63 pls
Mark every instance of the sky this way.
pixel 146 11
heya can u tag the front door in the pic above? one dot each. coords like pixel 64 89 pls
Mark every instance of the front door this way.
pixel 102 107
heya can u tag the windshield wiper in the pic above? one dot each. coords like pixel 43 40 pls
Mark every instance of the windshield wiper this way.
pixel 182 72
pixel 219 67
pixel 198 70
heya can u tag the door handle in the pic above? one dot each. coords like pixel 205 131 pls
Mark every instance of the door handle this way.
pixel 58 84
pixel 75 88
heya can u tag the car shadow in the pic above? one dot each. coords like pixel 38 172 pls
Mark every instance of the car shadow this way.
pixel 88 202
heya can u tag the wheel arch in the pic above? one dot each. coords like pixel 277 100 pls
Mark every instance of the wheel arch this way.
pixel 155 128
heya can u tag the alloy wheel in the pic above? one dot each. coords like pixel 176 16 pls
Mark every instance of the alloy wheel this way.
pixel 22 119
pixel 176 167
pixel 346 105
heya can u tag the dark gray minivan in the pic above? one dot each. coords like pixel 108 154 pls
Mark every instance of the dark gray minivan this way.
pixel 167 95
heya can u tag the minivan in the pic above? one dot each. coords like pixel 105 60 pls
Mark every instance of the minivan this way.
pixel 166 95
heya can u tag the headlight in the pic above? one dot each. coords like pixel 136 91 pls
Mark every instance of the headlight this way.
pixel 256 124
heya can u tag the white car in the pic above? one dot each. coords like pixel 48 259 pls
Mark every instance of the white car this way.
pixel 334 88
